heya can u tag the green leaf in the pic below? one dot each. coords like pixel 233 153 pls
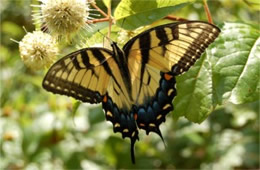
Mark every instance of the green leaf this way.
pixel 96 115
pixel 99 38
pixel 235 60
pixel 194 92
pixel 253 4
pixel 131 14
pixel 75 107
pixel 11 29
pixel 228 73
pixel 74 161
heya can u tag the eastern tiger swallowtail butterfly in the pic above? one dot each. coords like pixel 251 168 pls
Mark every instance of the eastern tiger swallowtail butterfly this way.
pixel 136 84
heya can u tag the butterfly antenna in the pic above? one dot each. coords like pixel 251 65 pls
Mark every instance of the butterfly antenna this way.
pixel 109 39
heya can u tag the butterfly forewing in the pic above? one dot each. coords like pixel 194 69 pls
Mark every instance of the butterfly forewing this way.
pixel 81 74
pixel 175 44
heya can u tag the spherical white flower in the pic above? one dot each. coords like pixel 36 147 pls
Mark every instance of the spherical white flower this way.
pixel 38 50
pixel 63 17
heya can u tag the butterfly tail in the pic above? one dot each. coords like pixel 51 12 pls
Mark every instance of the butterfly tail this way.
pixel 160 134
pixel 133 150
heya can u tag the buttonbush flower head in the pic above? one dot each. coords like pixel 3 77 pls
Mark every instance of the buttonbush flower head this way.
pixel 38 50
pixel 62 17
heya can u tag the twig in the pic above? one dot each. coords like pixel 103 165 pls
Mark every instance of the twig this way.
pixel 99 10
pixel 110 19
pixel 175 18
pixel 206 8
pixel 93 21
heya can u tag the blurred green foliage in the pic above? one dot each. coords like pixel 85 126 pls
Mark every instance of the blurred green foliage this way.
pixel 39 130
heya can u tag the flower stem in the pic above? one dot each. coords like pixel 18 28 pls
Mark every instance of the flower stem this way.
pixel 110 19
pixel 93 21
pixel 93 3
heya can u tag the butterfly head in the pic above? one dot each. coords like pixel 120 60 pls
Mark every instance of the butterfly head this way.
pixel 118 53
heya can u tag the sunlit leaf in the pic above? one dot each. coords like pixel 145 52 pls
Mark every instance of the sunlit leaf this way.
pixel 235 60
pixel 131 14
pixel 253 4
pixel 194 92
pixel 229 73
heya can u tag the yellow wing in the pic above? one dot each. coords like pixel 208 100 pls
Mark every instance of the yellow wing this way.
pixel 87 75
pixel 168 48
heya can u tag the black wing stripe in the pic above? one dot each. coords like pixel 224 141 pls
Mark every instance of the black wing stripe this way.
pixel 145 45
pixel 149 79
pixel 162 36
pixel 101 58
pixel 145 41
pixel 63 71
pixel 76 62
pixel 85 60
pixel 174 33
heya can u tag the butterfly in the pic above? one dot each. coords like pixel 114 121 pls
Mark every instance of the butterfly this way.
pixel 135 84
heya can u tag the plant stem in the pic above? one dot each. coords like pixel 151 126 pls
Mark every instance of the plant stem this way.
pixel 93 21
pixel 175 18
pixel 110 19
pixel 206 8
pixel 93 3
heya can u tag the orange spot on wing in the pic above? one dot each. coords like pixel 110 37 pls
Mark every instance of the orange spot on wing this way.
pixel 135 116
pixel 167 76
pixel 105 99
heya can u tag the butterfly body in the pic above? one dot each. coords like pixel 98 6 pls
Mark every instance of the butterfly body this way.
pixel 135 84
